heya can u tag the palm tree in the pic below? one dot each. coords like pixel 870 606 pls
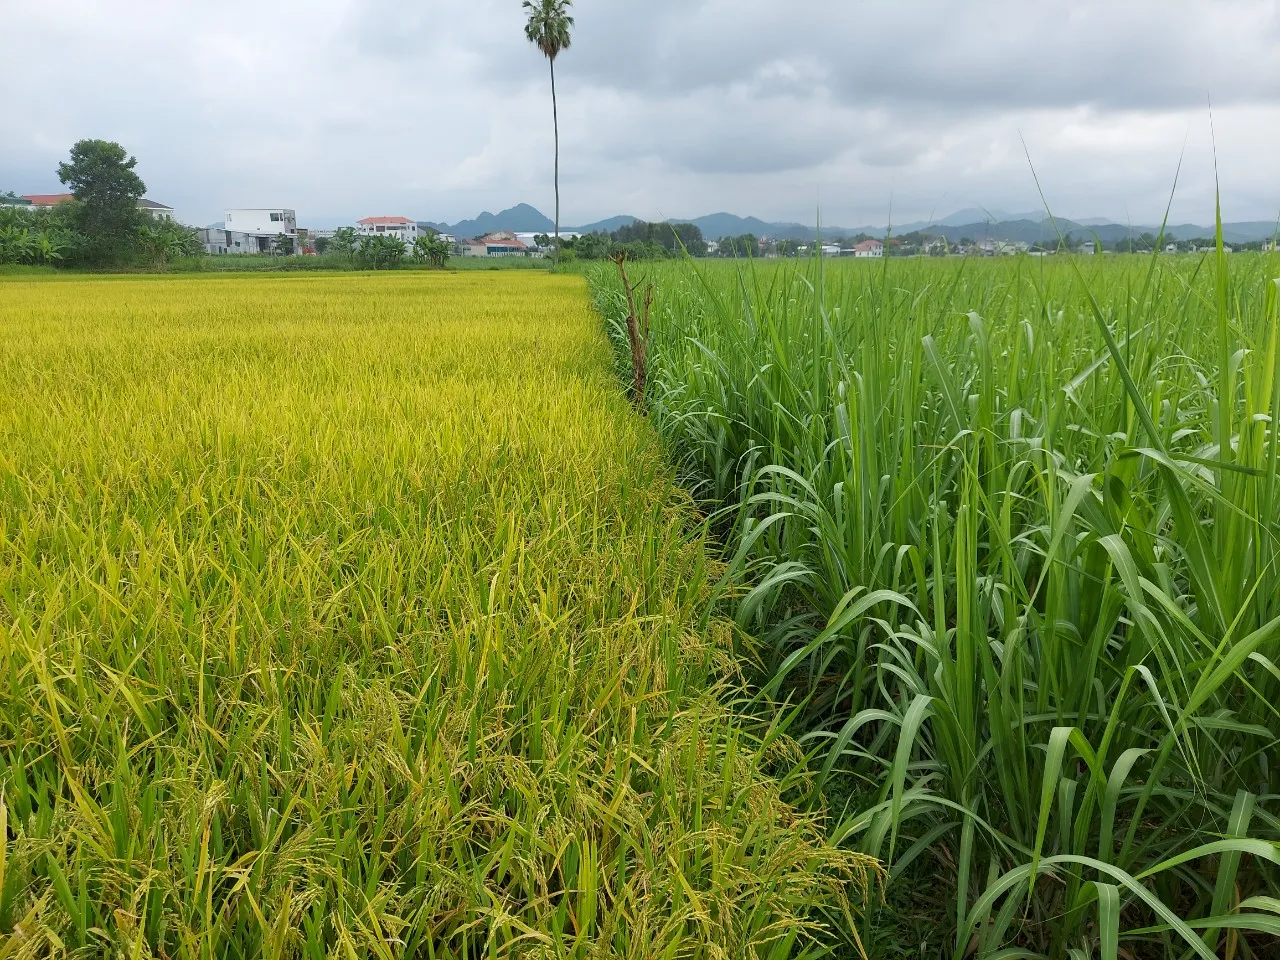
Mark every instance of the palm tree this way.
pixel 548 30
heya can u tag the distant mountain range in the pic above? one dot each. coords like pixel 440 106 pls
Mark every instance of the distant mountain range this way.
pixel 975 223
pixel 521 218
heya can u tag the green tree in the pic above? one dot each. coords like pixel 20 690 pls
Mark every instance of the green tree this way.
pixel 164 241
pixel 746 245
pixel 429 248
pixel 394 251
pixel 548 29
pixel 101 176
pixel 17 244
pixel 321 244
pixel 380 252
pixel 687 236
pixel 35 235
pixel 343 242
pixel 282 245
pixel 594 246
pixel 49 248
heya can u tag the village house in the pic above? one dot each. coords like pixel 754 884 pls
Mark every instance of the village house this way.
pixel 868 248
pixel 151 208
pixel 504 243
pixel 402 227
pixel 255 229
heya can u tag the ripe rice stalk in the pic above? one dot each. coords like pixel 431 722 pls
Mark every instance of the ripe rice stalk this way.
pixel 359 616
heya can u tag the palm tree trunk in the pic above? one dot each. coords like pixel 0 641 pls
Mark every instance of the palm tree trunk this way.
pixel 555 122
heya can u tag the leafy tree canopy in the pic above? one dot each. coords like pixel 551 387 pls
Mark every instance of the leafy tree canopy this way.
pixel 101 175
pixel 549 25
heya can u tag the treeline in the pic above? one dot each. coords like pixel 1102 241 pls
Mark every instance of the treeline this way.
pixel 637 241
pixel 640 240
pixel 643 240
pixel 383 252
pixel 101 227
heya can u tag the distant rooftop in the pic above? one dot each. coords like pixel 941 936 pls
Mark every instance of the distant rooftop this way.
pixel 52 199
pixel 374 220
pixel 47 199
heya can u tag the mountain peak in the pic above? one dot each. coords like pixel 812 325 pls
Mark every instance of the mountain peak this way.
pixel 522 217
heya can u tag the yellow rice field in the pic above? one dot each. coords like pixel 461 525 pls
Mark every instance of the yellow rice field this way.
pixel 357 616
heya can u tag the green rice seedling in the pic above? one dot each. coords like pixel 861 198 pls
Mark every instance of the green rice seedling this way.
pixel 1007 532
pixel 358 616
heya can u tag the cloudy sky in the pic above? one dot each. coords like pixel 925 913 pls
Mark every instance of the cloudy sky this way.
pixel 438 109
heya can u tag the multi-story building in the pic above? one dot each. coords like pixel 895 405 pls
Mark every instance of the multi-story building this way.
pixel 218 241
pixel 156 211
pixel 261 226
pixel 402 227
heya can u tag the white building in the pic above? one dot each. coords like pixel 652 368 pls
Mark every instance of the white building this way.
pixel 264 221
pixel 218 241
pixel 257 228
pixel 869 248
pixel 402 227
pixel 1088 248
pixel 156 211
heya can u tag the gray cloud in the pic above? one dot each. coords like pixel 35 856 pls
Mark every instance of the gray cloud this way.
pixel 342 108
pixel 976 56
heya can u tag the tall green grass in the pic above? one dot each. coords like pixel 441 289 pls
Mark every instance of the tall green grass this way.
pixel 357 616
pixel 1009 535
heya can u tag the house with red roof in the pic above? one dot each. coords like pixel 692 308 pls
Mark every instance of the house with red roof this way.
pixel 504 243
pixel 402 227
pixel 47 199
pixel 868 248
pixel 157 211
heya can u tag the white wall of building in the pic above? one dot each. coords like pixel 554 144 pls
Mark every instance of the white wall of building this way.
pixel 219 242
pixel 268 221
pixel 408 231
pixel 158 212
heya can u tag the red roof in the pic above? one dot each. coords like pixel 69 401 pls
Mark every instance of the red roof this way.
pixel 385 220
pixel 48 199
pixel 868 245
pixel 493 240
